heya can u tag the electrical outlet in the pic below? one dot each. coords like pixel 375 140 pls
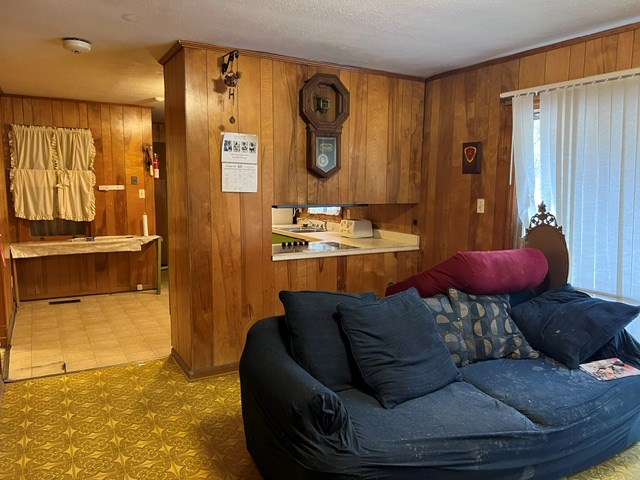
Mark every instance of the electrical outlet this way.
pixel 141 193
pixel 480 206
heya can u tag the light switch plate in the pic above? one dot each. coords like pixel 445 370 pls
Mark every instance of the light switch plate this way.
pixel 134 179
pixel 141 193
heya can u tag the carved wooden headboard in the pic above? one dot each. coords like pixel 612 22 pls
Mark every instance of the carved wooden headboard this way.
pixel 544 234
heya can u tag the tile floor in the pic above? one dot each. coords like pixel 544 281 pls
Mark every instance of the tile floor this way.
pixel 98 331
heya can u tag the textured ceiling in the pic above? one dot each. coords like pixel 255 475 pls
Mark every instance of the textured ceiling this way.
pixel 415 37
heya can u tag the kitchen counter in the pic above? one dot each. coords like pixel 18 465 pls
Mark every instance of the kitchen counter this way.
pixel 331 244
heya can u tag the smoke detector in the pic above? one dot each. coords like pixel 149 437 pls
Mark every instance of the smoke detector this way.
pixel 76 45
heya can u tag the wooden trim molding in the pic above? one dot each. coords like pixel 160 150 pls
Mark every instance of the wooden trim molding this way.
pixel 59 99
pixel 537 50
pixel 274 56
pixel 180 44
pixel 201 373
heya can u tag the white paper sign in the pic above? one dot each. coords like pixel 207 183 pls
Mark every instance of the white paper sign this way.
pixel 239 148
pixel 239 162
pixel 239 177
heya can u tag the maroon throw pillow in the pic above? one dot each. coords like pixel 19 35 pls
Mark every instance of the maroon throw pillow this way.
pixel 480 273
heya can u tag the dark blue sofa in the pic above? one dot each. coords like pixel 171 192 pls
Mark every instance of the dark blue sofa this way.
pixel 506 419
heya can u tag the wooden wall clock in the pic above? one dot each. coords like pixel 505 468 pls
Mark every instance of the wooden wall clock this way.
pixel 324 102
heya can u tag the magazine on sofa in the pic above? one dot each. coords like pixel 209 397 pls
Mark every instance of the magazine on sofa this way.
pixel 609 369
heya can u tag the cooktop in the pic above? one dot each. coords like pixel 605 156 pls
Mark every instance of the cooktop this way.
pixel 301 246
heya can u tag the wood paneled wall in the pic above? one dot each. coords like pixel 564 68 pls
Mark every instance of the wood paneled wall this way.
pixel 465 106
pixel 119 132
pixel 381 142
pixel 6 291
pixel 222 278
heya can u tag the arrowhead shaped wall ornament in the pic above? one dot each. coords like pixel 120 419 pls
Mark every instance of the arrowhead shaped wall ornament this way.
pixel 472 157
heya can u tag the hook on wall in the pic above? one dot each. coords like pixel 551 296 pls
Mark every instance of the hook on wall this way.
pixel 230 77
pixel 230 57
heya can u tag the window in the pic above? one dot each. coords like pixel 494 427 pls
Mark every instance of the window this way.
pixel 581 156
pixel 324 210
pixel 57 228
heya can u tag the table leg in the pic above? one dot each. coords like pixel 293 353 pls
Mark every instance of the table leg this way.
pixel 159 256
pixel 16 292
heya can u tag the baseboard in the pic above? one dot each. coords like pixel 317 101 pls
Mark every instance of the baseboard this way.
pixel 1 388
pixel 201 373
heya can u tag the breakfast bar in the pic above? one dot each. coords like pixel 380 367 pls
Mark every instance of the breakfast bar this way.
pixel 311 243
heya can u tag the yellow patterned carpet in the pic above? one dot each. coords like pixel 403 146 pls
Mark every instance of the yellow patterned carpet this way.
pixel 147 422
pixel 133 421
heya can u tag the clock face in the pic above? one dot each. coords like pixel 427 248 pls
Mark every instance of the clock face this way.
pixel 325 103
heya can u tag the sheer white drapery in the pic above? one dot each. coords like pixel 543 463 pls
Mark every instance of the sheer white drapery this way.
pixel 52 173
pixel 523 157
pixel 588 173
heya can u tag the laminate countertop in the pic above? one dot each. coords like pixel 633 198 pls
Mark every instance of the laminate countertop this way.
pixel 331 244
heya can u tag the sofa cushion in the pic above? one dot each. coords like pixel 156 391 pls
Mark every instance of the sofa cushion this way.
pixel 552 395
pixel 569 325
pixel 317 341
pixel 488 330
pixel 447 427
pixel 449 327
pixel 491 272
pixel 397 347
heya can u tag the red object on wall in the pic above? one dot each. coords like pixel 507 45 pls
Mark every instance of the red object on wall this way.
pixel 156 167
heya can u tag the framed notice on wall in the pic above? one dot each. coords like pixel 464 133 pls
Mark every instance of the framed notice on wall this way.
pixel 239 162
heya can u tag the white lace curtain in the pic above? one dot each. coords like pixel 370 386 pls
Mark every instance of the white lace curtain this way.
pixel 588 173
pixel 52 173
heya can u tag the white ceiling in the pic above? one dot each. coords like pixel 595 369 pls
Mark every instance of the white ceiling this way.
pixel 415 37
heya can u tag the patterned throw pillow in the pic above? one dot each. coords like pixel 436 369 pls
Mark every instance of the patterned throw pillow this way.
pixel 487 328
pixel 449 327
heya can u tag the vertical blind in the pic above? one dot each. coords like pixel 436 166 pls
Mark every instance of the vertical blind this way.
pixel 588 172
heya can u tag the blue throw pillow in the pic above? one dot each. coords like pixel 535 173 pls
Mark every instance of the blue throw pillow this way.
pixel 623 346
pixel 516 298
pixel 569 325
pixel 397 347
pixel 317 341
